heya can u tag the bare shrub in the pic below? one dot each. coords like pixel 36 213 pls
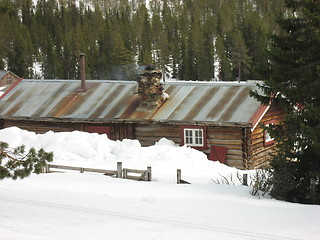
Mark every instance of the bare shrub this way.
pixel 260 182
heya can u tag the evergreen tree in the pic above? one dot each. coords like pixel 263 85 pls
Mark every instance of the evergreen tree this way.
pixel 184 36
pixel 20 53
pixel 200 45
pixel 255 37
pixel 293 81
pixel 144 39
pixel 5 25
pixel 160 42
pixel 15 163
pixel 239 56
pixel 224 68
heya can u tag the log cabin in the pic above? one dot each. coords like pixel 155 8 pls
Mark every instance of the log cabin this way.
pixel 218 118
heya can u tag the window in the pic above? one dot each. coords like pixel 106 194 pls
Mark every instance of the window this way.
pixel 267 137
pixel 193 136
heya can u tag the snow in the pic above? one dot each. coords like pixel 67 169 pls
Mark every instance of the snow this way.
pixel 75 206
pixel 1 90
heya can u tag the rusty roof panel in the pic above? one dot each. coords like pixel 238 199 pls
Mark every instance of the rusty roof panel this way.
pixel 200 103
pixel 236 101
pixel 118 100
pixel 208 109
pixel 187 106
pixel 96 101
pixel 170 107
pixel 119 103
pixel 131 108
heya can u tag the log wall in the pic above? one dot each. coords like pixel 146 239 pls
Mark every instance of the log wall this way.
pixel 151 133
pixel 119 131
pixel 261 152
pixel 228 137
pixel 40 126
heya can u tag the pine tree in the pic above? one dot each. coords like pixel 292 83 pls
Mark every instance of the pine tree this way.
pixel 239 56
pixel 15 163
pixel 224 69
pixel 200 45
pixel 20 53
pixel 293 81
pixel 5 25
pixel 255 37
pixel 144 40
pixel 179 34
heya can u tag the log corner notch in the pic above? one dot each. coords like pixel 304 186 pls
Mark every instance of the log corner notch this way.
pixel 246 148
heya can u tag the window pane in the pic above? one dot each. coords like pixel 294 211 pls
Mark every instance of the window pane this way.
pixel 188 136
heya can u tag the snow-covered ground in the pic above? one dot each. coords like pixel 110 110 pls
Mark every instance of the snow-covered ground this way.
pixel 74 206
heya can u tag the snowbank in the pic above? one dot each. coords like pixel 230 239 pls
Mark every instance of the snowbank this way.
pixel 94 150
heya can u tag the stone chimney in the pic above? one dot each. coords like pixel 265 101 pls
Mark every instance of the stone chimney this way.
pixel 150 88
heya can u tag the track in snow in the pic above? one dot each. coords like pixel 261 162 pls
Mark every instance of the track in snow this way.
pixel 139 217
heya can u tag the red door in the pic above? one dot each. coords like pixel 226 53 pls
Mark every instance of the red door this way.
pixel 218 153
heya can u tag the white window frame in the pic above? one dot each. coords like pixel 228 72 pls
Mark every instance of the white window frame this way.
pixel 192 138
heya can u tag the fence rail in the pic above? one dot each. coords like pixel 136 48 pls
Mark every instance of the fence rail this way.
pixel 145 175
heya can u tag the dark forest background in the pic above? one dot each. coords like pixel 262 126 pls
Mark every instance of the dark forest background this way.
pixel 189 39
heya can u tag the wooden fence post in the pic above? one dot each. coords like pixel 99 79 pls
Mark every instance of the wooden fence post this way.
pixel 81 170
pixel 125 173
pixel 45 169
pixel 149 175
pixel 245 179
pixel 178 176
pixel 313 190
pixel 119 169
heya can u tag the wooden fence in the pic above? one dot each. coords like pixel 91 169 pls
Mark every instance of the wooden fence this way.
pixel 179 179
pixel 126 173
pixel 143 175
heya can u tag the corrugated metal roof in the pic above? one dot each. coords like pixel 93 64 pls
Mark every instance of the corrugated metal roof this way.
pixel 217 102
